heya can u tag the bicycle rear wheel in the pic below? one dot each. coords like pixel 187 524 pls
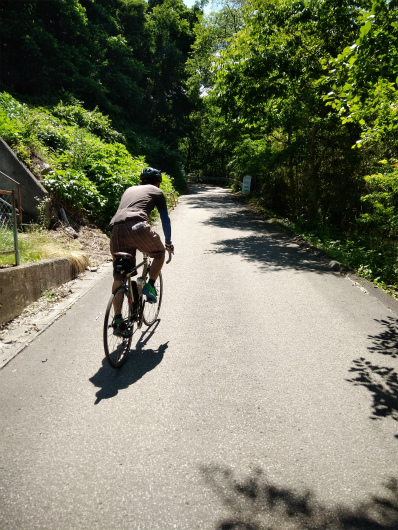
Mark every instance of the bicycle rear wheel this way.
pixel 150 312
pixel 117 346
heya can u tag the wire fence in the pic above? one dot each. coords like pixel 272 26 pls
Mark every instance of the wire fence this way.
pixel 8 225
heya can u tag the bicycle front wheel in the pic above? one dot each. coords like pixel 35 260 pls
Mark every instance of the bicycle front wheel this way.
pixel 150 312
pixel 117 337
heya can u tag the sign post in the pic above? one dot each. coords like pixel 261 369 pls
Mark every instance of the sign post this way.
pixel 246 184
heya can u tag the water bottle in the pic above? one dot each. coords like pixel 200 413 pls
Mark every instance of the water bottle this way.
pixel 140 284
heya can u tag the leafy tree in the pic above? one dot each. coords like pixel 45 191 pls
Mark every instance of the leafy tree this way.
pixel 267 90
pixel 364 84
pixel 364 76
pixel 37 37
pixel 212 35
pixel 123 57
pixel 170 26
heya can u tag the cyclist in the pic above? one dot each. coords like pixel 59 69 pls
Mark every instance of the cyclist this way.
pixel 131 229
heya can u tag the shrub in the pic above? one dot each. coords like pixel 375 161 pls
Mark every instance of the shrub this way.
pixel 91 170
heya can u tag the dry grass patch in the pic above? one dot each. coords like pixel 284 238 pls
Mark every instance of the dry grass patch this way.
pixel 40 245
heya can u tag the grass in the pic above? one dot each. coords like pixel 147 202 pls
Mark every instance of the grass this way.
pixel 39 244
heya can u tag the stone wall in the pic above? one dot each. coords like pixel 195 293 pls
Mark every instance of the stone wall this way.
pixel 22 285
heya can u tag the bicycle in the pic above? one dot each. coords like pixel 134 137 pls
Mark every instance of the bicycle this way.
pixel 128 301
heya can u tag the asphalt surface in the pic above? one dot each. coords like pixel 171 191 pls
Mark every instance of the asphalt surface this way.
pixel 265 396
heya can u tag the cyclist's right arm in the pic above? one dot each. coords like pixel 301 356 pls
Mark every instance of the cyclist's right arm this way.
pixel 166 225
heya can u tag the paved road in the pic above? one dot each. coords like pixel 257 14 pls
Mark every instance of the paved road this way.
pixel 263 398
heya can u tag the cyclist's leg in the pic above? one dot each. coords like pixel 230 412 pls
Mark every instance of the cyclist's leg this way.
pixel 156 267
pixel 151 310
pixel 120 242
pixel 149 242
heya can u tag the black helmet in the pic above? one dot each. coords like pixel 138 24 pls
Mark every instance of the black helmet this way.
pixel 149 175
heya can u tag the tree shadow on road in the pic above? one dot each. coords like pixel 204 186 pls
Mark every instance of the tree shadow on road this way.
pixel 265 242
pixel 201 189
pixel 273 253
pixel 239 217
pixel 381 381
pixel 140 361
pixel 256 503
pixel 386 343
pixel 216 198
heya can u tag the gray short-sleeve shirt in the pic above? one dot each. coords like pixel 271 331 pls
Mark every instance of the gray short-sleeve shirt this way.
pixel 137 202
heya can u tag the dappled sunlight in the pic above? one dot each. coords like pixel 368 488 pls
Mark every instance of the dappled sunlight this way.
pixel 386 343
pixel 272 253
pixel 205 200
pixel 256 503
pixel 262 241
pixel 381 381
pixel 239 217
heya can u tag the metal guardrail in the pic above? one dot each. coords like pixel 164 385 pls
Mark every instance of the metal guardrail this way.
pixel 8 224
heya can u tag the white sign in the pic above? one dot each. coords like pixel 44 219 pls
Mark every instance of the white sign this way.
pixel 247 180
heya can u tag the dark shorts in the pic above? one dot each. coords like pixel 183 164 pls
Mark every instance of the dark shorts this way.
pixel 131 236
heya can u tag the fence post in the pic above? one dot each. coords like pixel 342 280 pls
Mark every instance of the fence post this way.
pixel 11 215
pixel 14 217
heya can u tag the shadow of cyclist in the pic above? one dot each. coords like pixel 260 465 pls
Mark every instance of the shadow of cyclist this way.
pixel 140 361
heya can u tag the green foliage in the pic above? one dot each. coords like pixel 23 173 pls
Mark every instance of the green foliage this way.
pixel 364 76
pixel 119 60
pixel 12 119
pixel 88 173
pixel 266 89
pixel 170 25
pixel 377 263
pixel 378 224
pixel 381 202
pixel 205 153
pixel 73 187
pixel 94 121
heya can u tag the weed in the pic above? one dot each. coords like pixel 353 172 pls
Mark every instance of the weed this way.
pixel 47 294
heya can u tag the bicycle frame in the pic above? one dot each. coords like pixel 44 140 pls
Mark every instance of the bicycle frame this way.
pixel 128 282
pixel 145 263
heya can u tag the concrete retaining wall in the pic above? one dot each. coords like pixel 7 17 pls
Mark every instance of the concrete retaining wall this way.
pixel 22 285
pixel 30 186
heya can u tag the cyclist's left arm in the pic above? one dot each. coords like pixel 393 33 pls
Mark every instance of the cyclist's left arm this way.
pixel 164 216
